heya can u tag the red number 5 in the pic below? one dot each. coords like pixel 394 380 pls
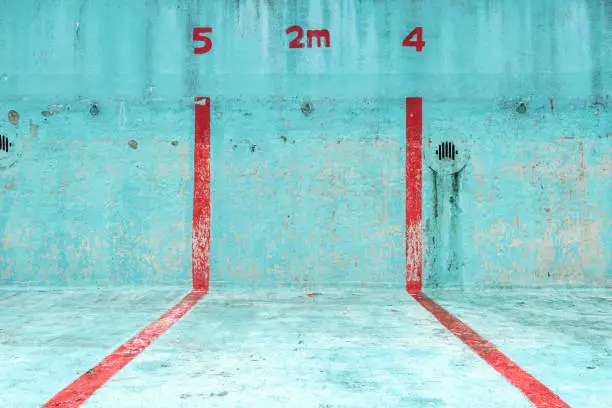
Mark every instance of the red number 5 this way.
pixel 198 35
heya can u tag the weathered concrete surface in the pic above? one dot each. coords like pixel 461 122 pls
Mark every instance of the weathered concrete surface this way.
pixel 336 349
pixel 562 337
pixel 474 50
pixel 84 207
pixel 106 199
pixel 374 347
pixel 49 337
pixel 309 200
pixel 312 200
pixel 531 207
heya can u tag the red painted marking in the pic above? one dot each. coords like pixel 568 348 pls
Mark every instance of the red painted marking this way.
pixel 537 392
pixel 296 42
pixel 198 35
pixel 419 44
pixel 414 130
pixel 322 36
pixel 200 246
pixel 83 387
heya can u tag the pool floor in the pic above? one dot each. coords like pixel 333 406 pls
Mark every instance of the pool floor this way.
pixel 288 348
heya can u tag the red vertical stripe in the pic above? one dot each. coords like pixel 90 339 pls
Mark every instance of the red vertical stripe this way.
pixel 201 196
pixel 414 131
pixel 538 393
pixel 83 387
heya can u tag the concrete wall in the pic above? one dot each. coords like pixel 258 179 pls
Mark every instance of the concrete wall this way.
pixel 315 199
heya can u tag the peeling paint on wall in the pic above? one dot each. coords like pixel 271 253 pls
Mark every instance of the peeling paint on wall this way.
pixel 306 195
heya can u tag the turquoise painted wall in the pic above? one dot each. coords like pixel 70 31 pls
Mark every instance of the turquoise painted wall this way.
pixel 311 200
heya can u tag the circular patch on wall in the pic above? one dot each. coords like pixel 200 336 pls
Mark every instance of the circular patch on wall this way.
pixel 447 155
pixel 306 108
pixel 11 146
pixel 13 117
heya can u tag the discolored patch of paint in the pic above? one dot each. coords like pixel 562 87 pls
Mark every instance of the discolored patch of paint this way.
pixel 133 144
pixel 13 117
pixel 174 143
pixel 33 129
pixel 57 108
pixel 521 108
pixel 454 260
pixel 335 365
pixel 94 110
pixel 455 188
pixel 307 108
pixel 435 193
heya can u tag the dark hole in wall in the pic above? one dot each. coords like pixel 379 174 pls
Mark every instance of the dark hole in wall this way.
pixel 5 143
pixel 447 151
pixel 307 108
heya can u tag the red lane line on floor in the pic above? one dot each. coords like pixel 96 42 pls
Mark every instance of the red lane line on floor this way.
pixel 414 131
pixel 537 392
pixel 200 244
pixel 83 387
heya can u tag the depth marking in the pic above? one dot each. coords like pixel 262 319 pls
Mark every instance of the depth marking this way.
pixel 538 393
pixel 83 387
pixel 414 131
pixel 200 241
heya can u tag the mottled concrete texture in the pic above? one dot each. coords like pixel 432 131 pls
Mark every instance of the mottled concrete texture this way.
pixel 49 337
pixel 285 349
pixel 103 195
pixel 358 348
pixel 563 338
pixel 97 97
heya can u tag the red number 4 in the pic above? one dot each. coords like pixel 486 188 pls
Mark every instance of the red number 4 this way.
pixel 198 35
pixel 418 43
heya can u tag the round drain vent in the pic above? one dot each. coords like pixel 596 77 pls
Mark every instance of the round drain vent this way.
pixel 10 145
pixel 447 156
pixel 447 151
pixel 5 144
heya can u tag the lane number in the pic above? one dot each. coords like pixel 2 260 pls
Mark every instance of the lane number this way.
pixel 199 35
pixel 419 44
pixel 322 38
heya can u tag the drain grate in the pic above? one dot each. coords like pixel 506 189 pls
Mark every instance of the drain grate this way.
pixel 11 148
pixel 446 151
pixel 447 155
pixel 5 144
